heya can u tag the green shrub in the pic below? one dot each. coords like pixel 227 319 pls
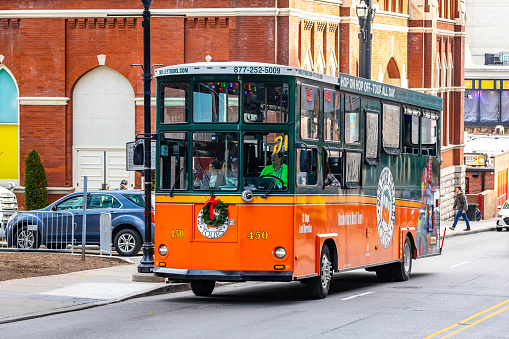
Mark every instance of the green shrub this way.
pixel 36 194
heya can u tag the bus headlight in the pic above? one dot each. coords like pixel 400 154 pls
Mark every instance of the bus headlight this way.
pixel 280 252
pixel 163 250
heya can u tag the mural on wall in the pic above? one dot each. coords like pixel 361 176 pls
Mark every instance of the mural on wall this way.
pixel 9 149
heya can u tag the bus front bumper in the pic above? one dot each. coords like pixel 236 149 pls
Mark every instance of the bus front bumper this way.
pixel 188 275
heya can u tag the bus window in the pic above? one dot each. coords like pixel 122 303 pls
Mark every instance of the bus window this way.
pixel 391 126
pixel 411 130
pixel 306 167
pixel 353 168
pixel 216 102
pixel 333 165
pixel 173 161
pixel 372 118
pixel 213 156
pixel 429 132
pixel 352 118
pixel 309 110
pixel 174 103
pixel 331 115
pixel 264 161
pixel 266 102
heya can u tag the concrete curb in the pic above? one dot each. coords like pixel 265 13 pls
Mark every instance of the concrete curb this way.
pixel 460 232
pixel 167 288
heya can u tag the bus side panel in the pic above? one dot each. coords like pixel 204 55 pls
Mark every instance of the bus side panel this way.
pixel 308 222
pixel 173 228
pixel 262 228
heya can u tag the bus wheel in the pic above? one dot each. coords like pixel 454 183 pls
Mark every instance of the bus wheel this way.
pixel 385 273
pixel 403 269
pixel 318 287
pixel 203 288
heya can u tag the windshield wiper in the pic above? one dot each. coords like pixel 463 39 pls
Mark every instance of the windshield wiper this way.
pixel 271 186
pixel 175 183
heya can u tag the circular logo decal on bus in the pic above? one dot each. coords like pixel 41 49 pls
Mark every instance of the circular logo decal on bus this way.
pixel 212 232
pixel 385 207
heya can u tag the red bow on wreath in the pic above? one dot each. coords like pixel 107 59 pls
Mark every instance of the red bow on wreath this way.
pixel 213 202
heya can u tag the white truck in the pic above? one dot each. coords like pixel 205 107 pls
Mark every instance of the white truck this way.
pixel 8 207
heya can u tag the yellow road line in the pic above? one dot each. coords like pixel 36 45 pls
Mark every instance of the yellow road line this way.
pixel 460 323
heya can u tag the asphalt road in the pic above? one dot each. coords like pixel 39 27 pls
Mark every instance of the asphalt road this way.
pixel 463 294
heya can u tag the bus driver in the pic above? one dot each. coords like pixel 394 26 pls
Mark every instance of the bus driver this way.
pixel 277 169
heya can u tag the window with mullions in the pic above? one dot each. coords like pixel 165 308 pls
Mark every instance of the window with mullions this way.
pixel 391 127
pixel 215 161
pixel 309 110
pixel 352 118
pixel 174 103
pixel 216 101
pixel 266 102
pixel 173 161
pixel 331 115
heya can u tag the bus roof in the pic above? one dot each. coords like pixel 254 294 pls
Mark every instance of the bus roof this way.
pixel 345 82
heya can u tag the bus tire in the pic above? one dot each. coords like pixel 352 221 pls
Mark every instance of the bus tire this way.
pixel 385 273
pixel 203 288
pixel 318 287
pixel 403 269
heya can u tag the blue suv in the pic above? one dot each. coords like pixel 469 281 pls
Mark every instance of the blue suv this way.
pixel 52 226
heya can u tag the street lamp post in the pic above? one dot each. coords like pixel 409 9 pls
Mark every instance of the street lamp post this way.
pixel 147 261
pixel 366 14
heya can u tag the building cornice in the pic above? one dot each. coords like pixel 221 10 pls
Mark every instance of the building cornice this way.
pixel 43 101
pixel 434 30
pixel 487 72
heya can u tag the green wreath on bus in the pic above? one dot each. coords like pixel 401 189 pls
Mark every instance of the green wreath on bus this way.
pixel 208 212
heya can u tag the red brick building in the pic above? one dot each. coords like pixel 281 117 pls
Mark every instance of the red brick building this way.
pixel 77 100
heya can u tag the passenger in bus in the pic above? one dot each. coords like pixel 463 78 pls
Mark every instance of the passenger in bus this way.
pixel 197 182
pixel 330 179
pixel 277 169
pixel 232 177
pixel 215 178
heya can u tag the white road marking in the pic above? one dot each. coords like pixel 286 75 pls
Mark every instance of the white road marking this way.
pixel 462 263
pixel 358 295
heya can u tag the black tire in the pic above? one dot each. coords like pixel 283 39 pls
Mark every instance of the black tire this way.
pixel 499 229
pixel 385 273
pixel 203 288
pixel 27 239
pixel 318 287
pixel 403 269
pixel 127 242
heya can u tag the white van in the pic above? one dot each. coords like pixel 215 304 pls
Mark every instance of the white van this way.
pixel 8 206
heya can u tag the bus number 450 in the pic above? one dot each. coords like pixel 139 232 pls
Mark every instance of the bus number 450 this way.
pixel 258 235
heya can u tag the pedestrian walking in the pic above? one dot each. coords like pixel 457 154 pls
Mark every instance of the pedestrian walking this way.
pixel 461 204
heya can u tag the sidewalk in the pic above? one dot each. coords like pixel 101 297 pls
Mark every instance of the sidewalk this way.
pixel 29 298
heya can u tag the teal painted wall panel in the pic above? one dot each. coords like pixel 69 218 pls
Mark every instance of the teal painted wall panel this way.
pixel 8 99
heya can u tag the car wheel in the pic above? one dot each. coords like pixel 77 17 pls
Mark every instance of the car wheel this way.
pixel 203 288
pixel 318 287
pixel 27 239
pixel 499 229
pixel 127 242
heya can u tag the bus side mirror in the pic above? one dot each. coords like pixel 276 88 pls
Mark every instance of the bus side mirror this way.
pixel 306 160
pixel 138 154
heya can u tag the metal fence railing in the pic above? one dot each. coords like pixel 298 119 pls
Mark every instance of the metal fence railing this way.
pixel 41 230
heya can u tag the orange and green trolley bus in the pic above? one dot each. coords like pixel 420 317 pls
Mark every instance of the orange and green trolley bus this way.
pixel 274 173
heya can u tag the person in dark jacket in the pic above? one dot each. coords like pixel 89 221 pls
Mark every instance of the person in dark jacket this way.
pixel 460 204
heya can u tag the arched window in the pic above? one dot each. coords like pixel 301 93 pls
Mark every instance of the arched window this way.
pixel 9 151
